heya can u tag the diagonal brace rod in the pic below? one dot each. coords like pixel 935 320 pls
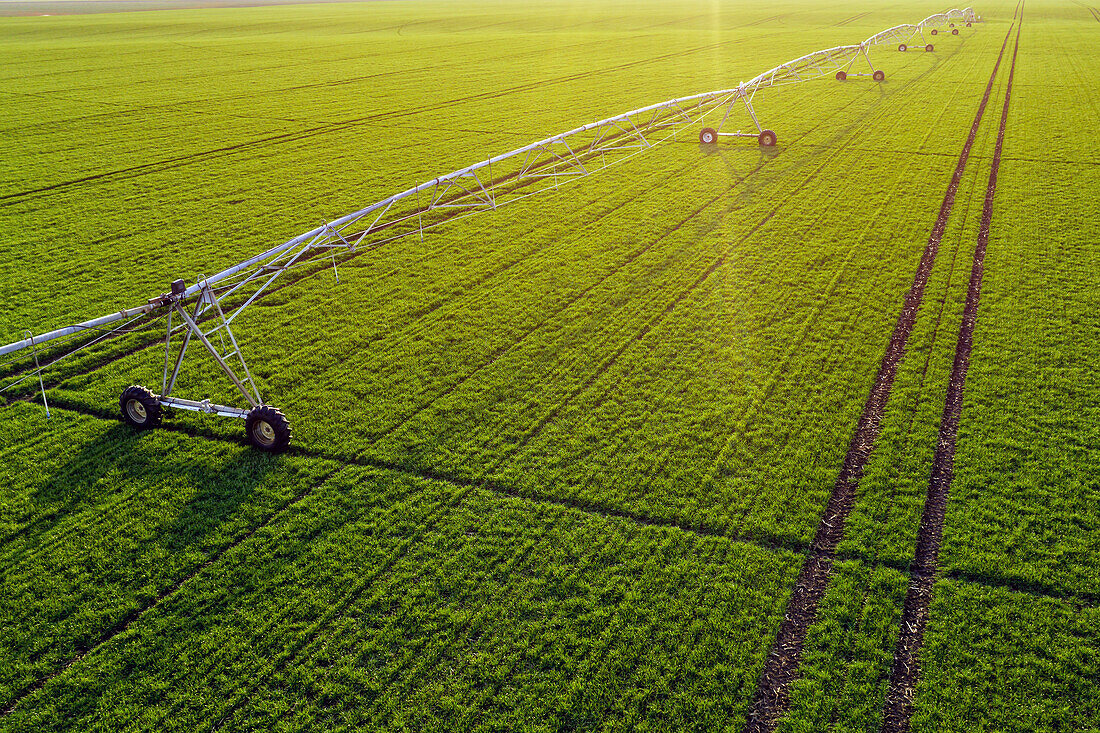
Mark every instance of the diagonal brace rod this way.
pixel 194 329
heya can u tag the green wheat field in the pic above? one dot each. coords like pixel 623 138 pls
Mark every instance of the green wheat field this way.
pixel 558 466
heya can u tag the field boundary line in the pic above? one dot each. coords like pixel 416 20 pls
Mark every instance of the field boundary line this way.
pixel 781 667
pixel 905 673
pixel 773 544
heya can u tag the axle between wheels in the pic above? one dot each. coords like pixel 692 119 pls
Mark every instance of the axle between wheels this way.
pixel 265 427
pixel 878 75
pixel 766 138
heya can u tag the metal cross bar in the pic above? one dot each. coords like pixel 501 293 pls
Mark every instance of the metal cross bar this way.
pixel 38 370
pixel 196 331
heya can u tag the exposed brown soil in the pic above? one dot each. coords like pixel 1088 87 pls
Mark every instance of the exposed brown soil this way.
pixel 898 709
pixel 782 665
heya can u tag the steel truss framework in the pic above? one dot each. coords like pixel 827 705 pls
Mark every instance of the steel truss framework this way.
pixel 483 186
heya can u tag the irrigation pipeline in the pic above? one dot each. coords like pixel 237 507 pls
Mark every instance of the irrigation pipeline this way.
pixel 781 667
pixel 551 161
pixel 898 709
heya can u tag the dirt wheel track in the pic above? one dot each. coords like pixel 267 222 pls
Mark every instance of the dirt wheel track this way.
pixel 781 667
pixel 900 697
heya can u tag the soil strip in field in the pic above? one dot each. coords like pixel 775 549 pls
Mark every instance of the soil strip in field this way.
pixel 898 709
pixel 1095 13
pixel 781 668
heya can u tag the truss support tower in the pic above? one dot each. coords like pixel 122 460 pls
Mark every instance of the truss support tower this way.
pixel 266 427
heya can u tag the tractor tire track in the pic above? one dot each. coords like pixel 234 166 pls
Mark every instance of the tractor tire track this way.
pixel 898 709
pixel 852 19
pixel 884 513
pixel 781 667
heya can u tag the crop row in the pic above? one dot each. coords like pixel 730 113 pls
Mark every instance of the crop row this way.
pixel 519 397
pixel 93 535
pixel 381 600
pixel 184 212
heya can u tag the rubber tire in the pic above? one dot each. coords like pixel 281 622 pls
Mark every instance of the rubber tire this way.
pixel 955 32
pixel 903 48
pixel 967 25
pixel 929 47
pixel 841 76
pixel 767 139
pixel 708 136
pixel 879 75
pixel 277 436
pixel 145 401
pixel 952 25
pixel 934 31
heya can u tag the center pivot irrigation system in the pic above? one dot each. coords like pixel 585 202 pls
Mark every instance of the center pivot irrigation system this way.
pixel 204 311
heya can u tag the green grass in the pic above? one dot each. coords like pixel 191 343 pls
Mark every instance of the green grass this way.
pixel 997 660
pixel 848 652
pixel 364 597
pixel 554 467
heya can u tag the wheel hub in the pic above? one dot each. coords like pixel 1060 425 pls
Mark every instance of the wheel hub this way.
pixel 136 410
pixel 263 432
